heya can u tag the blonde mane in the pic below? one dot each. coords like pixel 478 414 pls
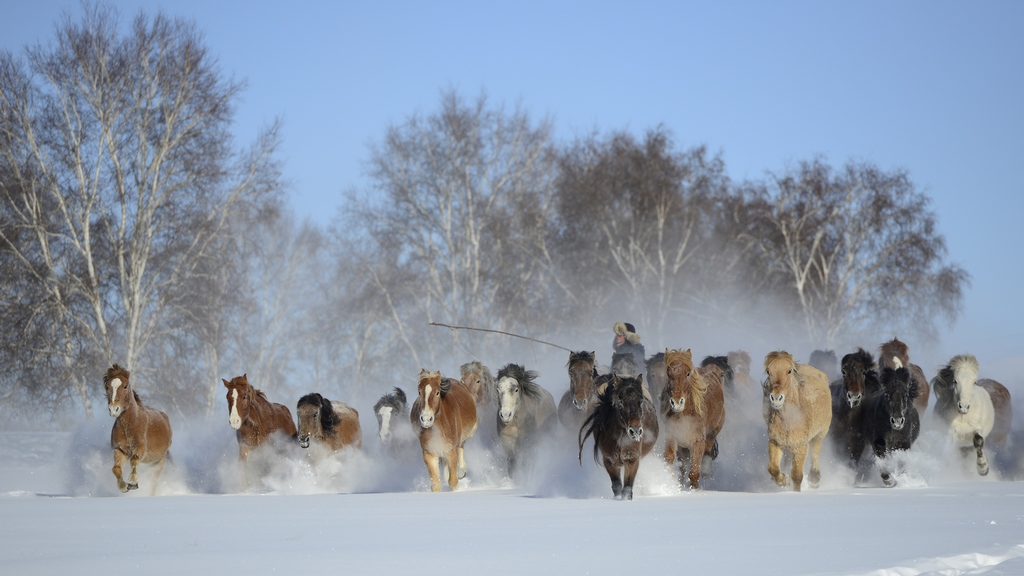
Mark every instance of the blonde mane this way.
pixel 676 358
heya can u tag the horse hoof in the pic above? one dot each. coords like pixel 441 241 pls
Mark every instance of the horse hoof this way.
pixel 627 493
pixel 888 481
pixel 123 487
pixel 782 480
pixel 132 486
pixel 983 469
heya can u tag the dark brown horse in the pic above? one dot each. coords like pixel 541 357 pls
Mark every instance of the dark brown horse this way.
pixel 693 412
pixel 859 380
pixel 253 417
pixel 140 434
pixel 331 424
pixel 896 349
pixel 579 400
pixel 444 418
pixel 625 427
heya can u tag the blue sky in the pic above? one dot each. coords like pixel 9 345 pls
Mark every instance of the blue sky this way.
pixel 936 88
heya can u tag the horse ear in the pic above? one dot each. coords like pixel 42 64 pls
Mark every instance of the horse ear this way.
pixel 226 383
pixel 640 379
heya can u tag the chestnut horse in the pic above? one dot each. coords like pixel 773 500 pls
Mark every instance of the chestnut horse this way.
pixel 253 417
pixel 974 410
pixel 526 412
pixel 578 401
pixel 625 427
pixel 693 412
pixel 332 424
pixel 444 417
pixel 896 349
pixel 798 411
pixel 140 433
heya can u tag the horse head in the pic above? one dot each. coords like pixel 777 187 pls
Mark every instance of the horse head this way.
pixel 780 377
pixel 316 417
pixel 389 404
pixel 119 392
pixel 431 389
pixel 855 369
pixel 965 376
pixel 582 374
pixel 628 401
pixel 826 361
pixel 238 400
pixel 740 362
pixel 477 378
pixel 681 375
pixel 899 390
pixel 513 382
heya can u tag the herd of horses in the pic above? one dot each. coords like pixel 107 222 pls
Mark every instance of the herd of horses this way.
pixel 869 410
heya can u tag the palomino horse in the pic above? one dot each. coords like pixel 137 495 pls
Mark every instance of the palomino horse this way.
pixel 859 379
pixel 826 361
pixel 887 422
pixel 625 427
pixel 444 417
pixel 253 417
pixel 140 433
pixel 693 412
pixel 392 412
pixel 973 409
pixel 896 349
pixel 331 424
pixel 525 411
pixel 798 411
pixel 578 401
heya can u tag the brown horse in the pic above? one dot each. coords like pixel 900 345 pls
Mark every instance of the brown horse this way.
pixel 625 427
pixel 693 412
pixel 140 433
pixel 798 411
pixel 478 379
pixel 253 417
pixel 896 349
pixel 444 417
pixel 577 403
pixel 332 424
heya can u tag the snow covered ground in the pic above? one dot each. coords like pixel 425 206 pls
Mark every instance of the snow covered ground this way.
pixel 372 513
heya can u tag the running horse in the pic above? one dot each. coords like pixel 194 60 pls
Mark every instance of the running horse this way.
pixel 578 401
pixel 140 434
pixel 894 349
pixel 330 423
pixel 444 418
pixel 253 417
pixel 624 425
pixel 798 411
pixel 526 412
pixel 692 412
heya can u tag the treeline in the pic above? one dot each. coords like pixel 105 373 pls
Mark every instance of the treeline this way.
pixel 133 229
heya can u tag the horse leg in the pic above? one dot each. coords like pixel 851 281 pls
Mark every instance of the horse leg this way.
pixel 133 478
pixel 462 462
pixel 630 468
pixel 814 478
pixel 453 468
pixel 613 473
pixel 696 459
pixel 774 462
pixel 119 459
pixel 432 469
pixel 883 465
pixel 797 472
pixel 710 454
pixel 979 447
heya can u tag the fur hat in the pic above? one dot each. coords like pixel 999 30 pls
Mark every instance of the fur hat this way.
pixel 626 329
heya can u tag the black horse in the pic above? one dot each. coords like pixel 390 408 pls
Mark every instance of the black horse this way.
pixel 888 421
pixel 728 378
pixel 859 379
pixel 624 425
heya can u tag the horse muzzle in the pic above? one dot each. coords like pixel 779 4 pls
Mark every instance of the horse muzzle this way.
pixel 114 411
pixel 677 406
pixel 304 442
pixel 897 423
pixel 635 433
pixel 506 417
pixel 235 423
pixel 426 421
pixel 854 399
pixel 580 405
pixel 777 400
pixel 963 408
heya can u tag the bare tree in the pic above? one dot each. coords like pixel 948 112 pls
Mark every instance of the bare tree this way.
pixel 120 176
pixel 858 249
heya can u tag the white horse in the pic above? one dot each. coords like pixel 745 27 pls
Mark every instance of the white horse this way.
pixel 975 414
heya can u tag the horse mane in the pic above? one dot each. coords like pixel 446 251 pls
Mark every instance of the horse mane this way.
pixel 890 376
pixel 862 357
pixel 620 358
pixel 723 363
pixel 964 362
pixel 524 377
pixel 785 357
pixel 328 417
pixel 650 362
pixel 582 356
pixel 395 399
pixel 116 371
pixel 674 358
pixel 893 348
pixel 487 379
pixel 604 411
pixel 739 357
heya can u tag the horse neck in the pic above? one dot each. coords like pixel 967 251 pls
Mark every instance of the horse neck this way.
pixel 259 410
